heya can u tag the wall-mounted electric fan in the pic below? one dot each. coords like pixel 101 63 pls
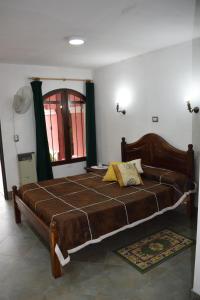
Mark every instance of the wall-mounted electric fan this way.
pixel 22 100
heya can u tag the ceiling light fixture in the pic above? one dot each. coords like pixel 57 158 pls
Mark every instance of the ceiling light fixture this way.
pixel 76 41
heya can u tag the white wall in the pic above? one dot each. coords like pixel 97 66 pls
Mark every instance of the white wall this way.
pixel 12 77
pixel 154 84
pixel 196 136
pixel 196 285
pixel 196 142
pixel 158 83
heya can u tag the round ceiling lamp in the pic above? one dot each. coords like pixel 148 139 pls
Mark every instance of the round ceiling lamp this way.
pixel 76 41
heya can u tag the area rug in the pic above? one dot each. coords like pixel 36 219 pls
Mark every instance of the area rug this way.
pixel 154 249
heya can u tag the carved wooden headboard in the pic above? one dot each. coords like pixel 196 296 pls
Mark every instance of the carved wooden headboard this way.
pixel 155 151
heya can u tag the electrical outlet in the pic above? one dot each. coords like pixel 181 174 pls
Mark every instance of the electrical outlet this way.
pixel 16 138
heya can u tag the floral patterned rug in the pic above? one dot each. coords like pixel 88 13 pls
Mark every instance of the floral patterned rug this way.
pixel 154 249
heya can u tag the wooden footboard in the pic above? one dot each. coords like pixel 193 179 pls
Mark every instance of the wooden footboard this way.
pixel 53 240
pixel 49 234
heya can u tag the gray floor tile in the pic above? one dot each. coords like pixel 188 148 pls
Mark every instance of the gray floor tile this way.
pixel 96 272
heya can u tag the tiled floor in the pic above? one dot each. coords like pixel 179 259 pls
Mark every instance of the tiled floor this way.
pixel 95 272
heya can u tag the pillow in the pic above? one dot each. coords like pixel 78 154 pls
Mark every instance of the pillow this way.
pixel 137 163
pixel 127 174
pixel 110 174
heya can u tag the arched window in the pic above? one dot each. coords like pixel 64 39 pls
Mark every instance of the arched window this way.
pixel 65 122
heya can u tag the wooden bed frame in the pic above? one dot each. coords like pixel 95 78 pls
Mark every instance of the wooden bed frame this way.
pixel 153 150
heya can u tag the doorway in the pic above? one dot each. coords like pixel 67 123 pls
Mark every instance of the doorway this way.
pixel 3 182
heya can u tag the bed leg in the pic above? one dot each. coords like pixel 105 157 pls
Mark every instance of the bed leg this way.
pixel 190 206
pixel 55 264
pixel 16 209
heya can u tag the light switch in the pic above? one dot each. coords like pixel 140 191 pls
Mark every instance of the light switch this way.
pixel 16 138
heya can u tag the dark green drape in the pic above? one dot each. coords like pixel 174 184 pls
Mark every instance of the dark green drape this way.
pixel 91 150
pixel 44 169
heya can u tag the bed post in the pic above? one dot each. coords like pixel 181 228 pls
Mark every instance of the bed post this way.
pixel 123 152
pixel 190 162
pixel 53 240
pixel 16 209
pixel 191 175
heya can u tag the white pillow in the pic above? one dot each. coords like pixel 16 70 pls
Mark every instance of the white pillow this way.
pixel 137 163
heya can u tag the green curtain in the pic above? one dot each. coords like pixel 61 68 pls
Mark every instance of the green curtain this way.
pixel 44 168
pixel 91 156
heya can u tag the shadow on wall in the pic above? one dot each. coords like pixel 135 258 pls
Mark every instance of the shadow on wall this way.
pixel 196 82
pixel 1 182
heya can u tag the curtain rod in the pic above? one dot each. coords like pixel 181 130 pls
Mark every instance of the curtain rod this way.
pixel 62 79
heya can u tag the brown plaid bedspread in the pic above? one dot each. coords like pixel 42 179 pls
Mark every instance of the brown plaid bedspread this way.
pixel 86 208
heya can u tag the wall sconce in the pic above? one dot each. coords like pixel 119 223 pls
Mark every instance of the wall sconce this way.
pixel 119 110
pixel 195 109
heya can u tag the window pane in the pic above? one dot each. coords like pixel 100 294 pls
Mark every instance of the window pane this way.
pixel 54 125
pixel 77 125
pixel 65 125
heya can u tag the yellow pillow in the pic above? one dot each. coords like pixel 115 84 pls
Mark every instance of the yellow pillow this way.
pixel 127 174
pixel 110 174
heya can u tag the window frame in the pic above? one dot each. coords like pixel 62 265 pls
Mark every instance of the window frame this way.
pixel 65 116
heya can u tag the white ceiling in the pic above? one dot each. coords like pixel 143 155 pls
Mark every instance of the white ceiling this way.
pixel 35 31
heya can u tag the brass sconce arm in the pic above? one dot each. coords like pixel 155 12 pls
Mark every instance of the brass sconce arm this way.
pixel 190 109
pixel 119 110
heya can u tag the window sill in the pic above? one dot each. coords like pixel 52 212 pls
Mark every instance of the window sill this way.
pixel 67 162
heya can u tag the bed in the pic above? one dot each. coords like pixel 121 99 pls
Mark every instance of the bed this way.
pixel 75 211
